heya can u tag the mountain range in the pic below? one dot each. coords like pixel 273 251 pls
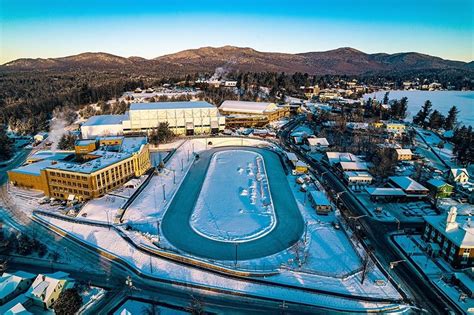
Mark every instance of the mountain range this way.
pixel 206 59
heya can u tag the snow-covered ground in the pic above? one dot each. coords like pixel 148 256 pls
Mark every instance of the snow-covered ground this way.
pixel 327 258
pixel 445 153
pixel 102 209
pixel 112 242
pixel 235 202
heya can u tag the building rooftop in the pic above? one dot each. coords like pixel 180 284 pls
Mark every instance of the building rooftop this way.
pixel 357 174
pixel 335 157
pixel 82 142
pixel 406 183
pixel 33 168
pixel 50 155
pixel 170 105
pixel 381 191
pixel 353 166
pixel 437 182
pixel 460 232
pixel 105 120
pixel 105 156
pixel 458 171
pixel 319 198
pixel 318 141
pixel 248 107
pixel 404 152
pixel 10 281
pixel 291 156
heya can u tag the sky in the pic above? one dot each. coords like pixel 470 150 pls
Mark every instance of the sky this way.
pixel 56 28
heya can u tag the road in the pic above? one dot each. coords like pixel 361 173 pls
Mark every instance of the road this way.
pixel 377 232
pixel 289 222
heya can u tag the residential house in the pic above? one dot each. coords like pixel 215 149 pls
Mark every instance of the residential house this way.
pixel 13 284
pixel 395 127
pixel 403 154
pixel 317 144
pixel 41 136
pixel 46 289
pixel 358 178
pixel 18 309
pixel 439 188
pixel 458 175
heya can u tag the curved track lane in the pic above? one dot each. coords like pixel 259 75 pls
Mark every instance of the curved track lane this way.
pixel 289 222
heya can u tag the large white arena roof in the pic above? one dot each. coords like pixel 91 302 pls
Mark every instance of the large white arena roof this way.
pixel 247 107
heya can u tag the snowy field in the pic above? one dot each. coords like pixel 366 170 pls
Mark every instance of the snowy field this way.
pixel 235 202
pixel 112 242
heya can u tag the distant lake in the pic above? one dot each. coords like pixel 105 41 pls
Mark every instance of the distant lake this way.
pixel 441 100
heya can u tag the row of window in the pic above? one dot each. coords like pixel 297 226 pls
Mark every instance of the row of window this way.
pixel 67 175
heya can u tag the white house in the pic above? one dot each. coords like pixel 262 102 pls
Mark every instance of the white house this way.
pixel 46 289
pixel 355 178
pixel 41 136
pixel 459 175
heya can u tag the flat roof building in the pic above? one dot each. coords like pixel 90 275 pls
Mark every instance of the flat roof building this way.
pixel 103 125
pixel 92 173
pixel 182 117
pixel 252 114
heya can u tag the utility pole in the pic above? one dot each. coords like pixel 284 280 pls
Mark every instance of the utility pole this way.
pixel 182 166
pixel 164 193
pixel 174 177
pixel 236 246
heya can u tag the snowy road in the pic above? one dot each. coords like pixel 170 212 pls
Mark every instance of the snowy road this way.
pixel 289 222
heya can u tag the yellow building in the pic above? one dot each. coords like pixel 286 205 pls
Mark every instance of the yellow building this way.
pixel 377 124
pixel 403 154
pixel 395 127
pixel 91 174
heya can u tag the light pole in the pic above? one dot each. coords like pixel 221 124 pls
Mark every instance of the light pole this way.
pixel 164 193
pixel 182 167
pixel 108 221
pixel 174 177
pixel 236 246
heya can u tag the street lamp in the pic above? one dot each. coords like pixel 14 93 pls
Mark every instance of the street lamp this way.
pixel 236 246
pixel 393 264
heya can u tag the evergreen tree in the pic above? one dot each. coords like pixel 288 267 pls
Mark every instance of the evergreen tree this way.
pixel 451 119
pixel 69 302
pixel 436 120
pixel 385 98
pixel 5 145
pixel 423 114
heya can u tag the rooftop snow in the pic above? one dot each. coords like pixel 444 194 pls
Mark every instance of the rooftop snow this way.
pixel 335 157
pixel 247 107
pixel 437 182
pixel 460 233
pixel 406 183
pixel 170 105
pixel 318 141
pixel 33 168
pixel 105 120
pixel 319 198
pixel 50 155
pixel 385 191
pixel 353 166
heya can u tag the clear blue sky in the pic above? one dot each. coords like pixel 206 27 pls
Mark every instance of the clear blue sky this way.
pixel 54 28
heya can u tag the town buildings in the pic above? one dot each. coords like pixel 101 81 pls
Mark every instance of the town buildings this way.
pixel 454 234
pixel 439 188
pixel 103 125
pixel 46 289
pixel 403 154
pixel 98 167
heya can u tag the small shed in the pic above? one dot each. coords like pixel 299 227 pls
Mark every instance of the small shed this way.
pixel 320 202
